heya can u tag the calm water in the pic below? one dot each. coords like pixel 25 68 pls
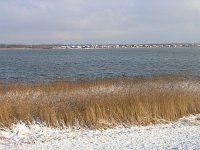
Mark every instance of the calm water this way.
pixel 45 65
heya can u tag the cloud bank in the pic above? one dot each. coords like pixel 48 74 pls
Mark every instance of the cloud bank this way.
pixel 99 21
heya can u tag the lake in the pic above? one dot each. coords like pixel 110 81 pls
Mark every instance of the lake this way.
pixel 48 65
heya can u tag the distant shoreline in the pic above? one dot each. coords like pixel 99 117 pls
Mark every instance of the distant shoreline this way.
pixel 58 48
pixel 13 48
pixel 7 49
pixel 97 46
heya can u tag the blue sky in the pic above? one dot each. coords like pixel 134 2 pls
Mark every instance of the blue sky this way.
pixel 99 21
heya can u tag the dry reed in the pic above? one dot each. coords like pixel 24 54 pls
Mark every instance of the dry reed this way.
pixel 100 103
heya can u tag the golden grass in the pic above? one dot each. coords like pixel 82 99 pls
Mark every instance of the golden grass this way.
pixel 100 103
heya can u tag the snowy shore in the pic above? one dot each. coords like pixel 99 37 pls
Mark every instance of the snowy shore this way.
pixel 183 134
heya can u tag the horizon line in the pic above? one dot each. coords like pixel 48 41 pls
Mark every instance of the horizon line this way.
pixel 102 43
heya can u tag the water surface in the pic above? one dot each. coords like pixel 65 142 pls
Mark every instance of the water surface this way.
pixel 47 65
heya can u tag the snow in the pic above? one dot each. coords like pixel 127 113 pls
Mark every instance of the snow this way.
pixel 183 134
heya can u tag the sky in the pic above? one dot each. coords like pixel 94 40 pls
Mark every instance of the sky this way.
pixel 99 21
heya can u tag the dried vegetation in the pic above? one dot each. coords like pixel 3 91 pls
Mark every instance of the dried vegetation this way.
pixel 100 103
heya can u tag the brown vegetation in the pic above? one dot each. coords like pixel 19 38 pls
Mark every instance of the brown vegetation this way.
pixel 100 103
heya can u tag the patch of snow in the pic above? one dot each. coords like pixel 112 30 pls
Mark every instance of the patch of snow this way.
pixel 183 134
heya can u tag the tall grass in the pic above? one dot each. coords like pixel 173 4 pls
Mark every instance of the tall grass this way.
pixel 100 103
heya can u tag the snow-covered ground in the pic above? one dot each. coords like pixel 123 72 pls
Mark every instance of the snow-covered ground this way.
pixel 183 134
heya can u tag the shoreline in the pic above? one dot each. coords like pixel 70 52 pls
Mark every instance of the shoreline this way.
pixel 13 49
pixel 4 49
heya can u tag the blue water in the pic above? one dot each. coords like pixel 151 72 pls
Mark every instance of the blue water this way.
pixel 47 65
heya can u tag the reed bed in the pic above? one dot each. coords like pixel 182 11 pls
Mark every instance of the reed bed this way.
pixel 100 103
